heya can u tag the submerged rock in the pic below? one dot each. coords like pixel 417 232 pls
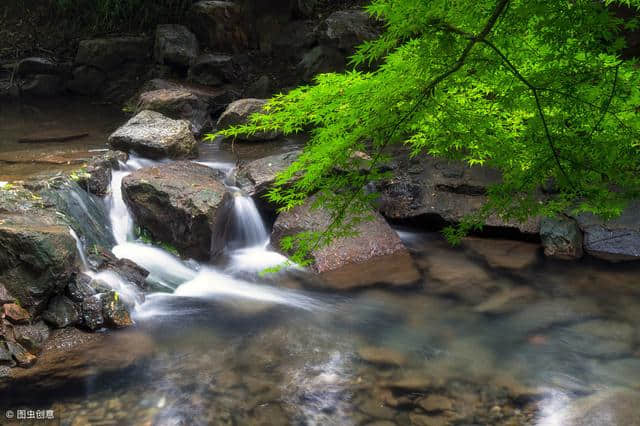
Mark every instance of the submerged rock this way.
pixel 561 238
pixel 178 104
pixel 239 112
pixel 611 407
pixel 175 45
pixel 153 135
pixel 374 249
pixel 180 204
pixel 504 253
pixel 382 356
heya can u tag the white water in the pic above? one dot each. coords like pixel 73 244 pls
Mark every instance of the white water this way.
pixel 248 228
pixel 80 248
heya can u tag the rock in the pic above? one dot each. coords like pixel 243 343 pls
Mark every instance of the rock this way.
pixel 5 297
pixel 79 289
pixel 15 313
pixel 219 25
pixel 179 203
pixel 212 70
pixel 609 407
pixel 261 88
pixel 125 269
pixel 96 177
pixel 440 191
pixel 178 104
pixel 348 28
pixel 319 60
pixel 37 65
pixel 239 112
pixel 307 7
pixel 87 80
pixel 409 384
pixel 92 317
pixel 597 338
pixel 614 240
pixel 375 243
pixel 5 356
pixel 508 300
pixel 435 403
pixel 506 254
pixel 21 355
pixel 257 177
pixel 424 420
pixel 107 54
pixel 71 357
pixel 546 313
pixel 175 45
pixel 37 257
pixel 61 312
pixel 561 238
pixel 153 135
pixel 43 85
pixel 382 356
pixel 376 409
pixel 32 337
pixel 115 312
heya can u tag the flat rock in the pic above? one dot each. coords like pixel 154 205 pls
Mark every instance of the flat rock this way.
pixel 506 254
pixel 375 241
pixel 508 300
pixel 178 203
pixel 239 112
pixel 175 45
pixel 153 135
pixel 178 104
pixel 435 403
pixel 382 356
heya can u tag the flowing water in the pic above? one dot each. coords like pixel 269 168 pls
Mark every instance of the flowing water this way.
pixel 492 334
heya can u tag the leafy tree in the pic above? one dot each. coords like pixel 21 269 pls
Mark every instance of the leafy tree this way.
pixel 538 89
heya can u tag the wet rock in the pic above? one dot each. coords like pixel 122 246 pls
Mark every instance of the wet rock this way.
pixel 124 268
pixel 109 53
pixel 37 257
pixel 61 312
pixel 219 25
pixel 179 203
pixel 92 317
pixel 409 384
pixel 376 409
pixel 256 177
pixel 15 313
pixel 5 297
pixel 424 420
pixel 71 356
pixel 178 104
pixel 153 135
pixel 239 112
pixel 43 85
pixel 348 28
pixel 79 289
pixel 382 356
pixel 435 403
pixel 561 238
pixel 21 355
pixel 505 301
pixel 375 243
pixel 32 337
pixel 86 80
pixel 614 407
pixel 558 311
pixel 261 88
pixel 114 311
pixel 614 240
pixel 175 45
pixel 320 60
pixel 6 359
pixel 213 70
pixel 437 191
pixel 504 253
pixel 96 177
pixel 598 338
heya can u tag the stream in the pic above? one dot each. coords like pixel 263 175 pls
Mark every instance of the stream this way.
pixel 500 334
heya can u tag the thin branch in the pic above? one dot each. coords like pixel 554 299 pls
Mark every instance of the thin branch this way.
pixel 607 104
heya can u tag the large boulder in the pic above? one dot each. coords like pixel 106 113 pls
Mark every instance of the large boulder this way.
pixel 178 104
pixel 213 70
pixel 376 249
pixel 95 178
pixel 37 257
pixel 615 240
pixel 175 45
pixel 179 204
pixel 436 191
pixel 153 135
pixel 239 112
pixel 219 25
pixel 561 238
pixel 348 28
pixel 107 54
pixel 319 60
pixel 257 177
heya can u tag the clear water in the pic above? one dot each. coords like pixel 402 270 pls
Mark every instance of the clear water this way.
pixel 493 333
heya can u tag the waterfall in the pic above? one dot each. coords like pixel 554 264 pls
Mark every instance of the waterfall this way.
pixel 80 248
pixel 248 227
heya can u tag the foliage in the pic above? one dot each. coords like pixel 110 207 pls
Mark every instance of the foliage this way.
pixel 535 88
pixel 146 237
pixel 109 15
